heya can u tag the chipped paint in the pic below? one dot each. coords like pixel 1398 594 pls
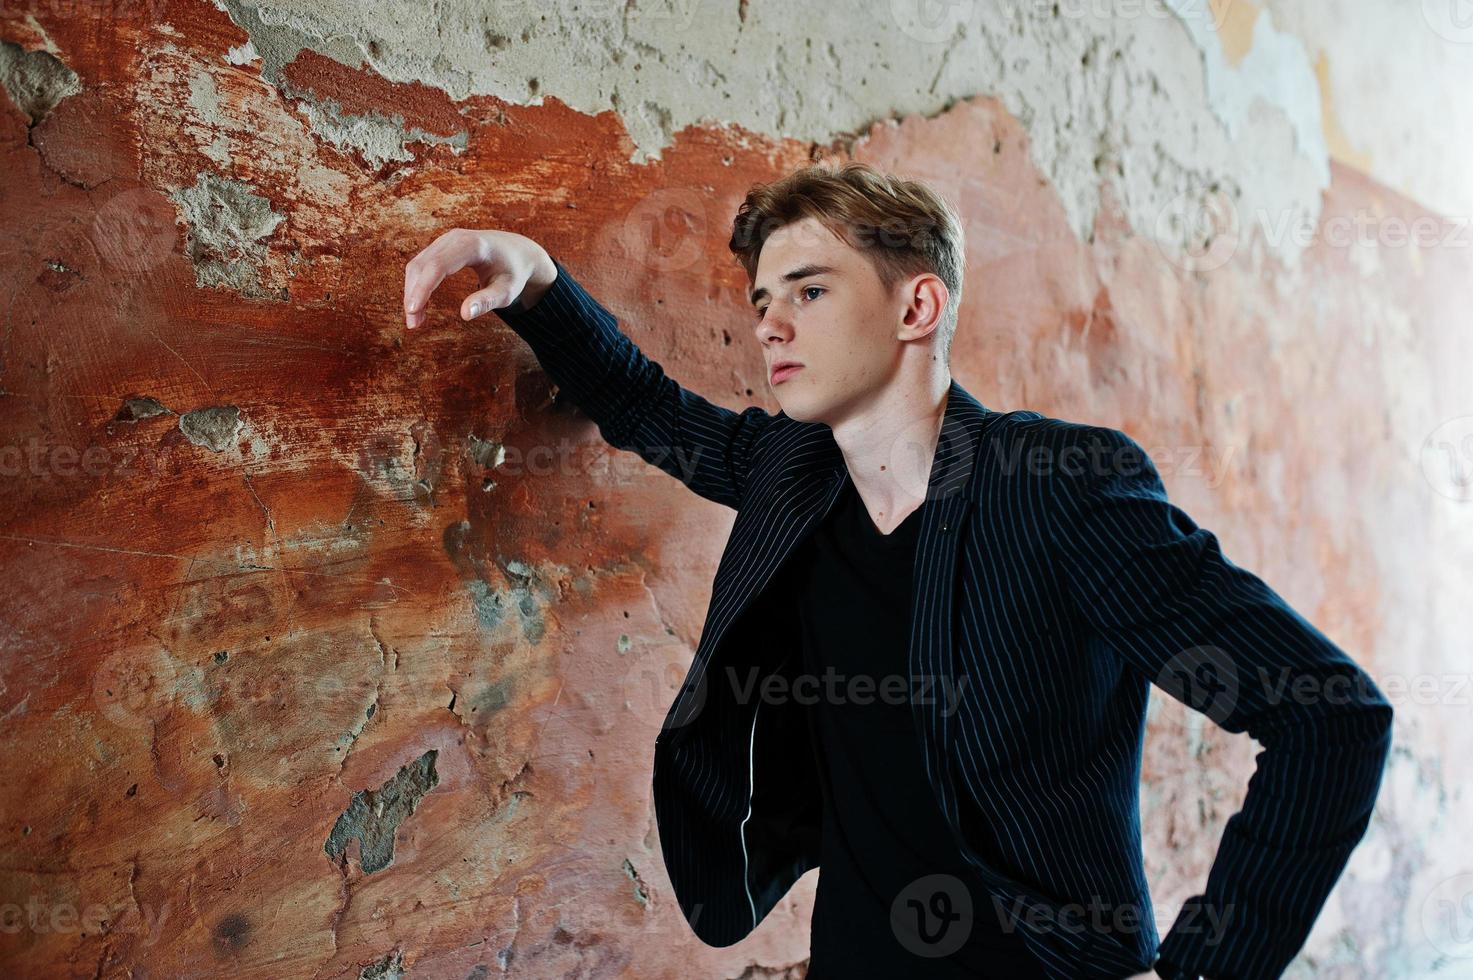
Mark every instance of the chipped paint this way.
pixel 216 428
pixel 1130 111
pixel 373 817
pixel 215 654
pixel 35 80
pixel 226 224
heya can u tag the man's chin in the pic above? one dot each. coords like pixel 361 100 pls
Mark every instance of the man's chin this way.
pixel 799 411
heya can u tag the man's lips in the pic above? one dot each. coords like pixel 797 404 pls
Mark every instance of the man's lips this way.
pixel 783 370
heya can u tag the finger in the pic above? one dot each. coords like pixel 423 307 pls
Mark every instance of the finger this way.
pixel 499 292
pixel 444 257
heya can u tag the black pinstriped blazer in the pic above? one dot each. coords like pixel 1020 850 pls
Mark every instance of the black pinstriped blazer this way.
pixel 1054 582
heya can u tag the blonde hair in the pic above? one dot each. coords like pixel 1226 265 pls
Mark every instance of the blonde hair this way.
pixel 903 226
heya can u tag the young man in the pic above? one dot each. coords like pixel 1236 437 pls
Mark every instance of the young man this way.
pixel 993 593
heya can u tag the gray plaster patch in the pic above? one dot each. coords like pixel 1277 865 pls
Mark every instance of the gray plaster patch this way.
pixel 214 428
pixel 35 80
pixel 138 407
pixel 485 452
pixel 379 138
pixel 374 816
pixel 1139 97
pixel 204 98
pixel 390 967
pixel 492 606
pixel 226 223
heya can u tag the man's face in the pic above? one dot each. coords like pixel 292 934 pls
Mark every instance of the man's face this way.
pixel 820 302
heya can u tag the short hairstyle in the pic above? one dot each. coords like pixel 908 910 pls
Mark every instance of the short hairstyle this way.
pixel 903 226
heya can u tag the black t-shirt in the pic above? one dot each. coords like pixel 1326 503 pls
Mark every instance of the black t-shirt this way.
pixel 879 912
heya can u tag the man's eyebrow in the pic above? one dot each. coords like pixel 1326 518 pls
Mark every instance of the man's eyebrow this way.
pixel 802 272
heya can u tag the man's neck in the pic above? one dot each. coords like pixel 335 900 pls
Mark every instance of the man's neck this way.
pixel 889 446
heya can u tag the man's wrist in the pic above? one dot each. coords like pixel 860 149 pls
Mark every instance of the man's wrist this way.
pixel 538 284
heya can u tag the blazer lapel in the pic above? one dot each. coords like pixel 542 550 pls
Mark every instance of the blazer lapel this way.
pixel 770 527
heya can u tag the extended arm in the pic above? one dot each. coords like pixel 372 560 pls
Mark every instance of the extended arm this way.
pixel 634 403
pixel 1159 592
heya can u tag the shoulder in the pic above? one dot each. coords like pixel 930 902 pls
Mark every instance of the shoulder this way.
pixel 1039 453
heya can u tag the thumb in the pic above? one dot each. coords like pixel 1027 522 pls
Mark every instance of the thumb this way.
pixel 497 293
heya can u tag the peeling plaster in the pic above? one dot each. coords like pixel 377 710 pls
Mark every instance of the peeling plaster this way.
pixel 1275 70
pixel 214 428
pixel 377 137
pixel 1399 76
pixel 226 223
pixel 374 816
pixel 391 967
pixel 35 80
pixel 1101 96
pixel 204 98
pixel 138 407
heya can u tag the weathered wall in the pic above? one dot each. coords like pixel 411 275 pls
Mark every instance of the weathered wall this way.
pixel 333 649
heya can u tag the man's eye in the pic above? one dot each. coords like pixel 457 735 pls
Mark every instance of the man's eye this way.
pixel 760 311
pixel 819 288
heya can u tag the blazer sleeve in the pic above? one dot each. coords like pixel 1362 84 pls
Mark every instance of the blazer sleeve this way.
pixel 1159 592
pixel 635 405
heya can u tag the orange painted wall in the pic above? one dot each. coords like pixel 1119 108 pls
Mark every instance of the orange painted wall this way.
pixel 219 626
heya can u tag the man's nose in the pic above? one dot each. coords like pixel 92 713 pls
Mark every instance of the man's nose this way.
pixel 774 327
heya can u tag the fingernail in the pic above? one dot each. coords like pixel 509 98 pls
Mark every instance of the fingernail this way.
pixel 476 308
